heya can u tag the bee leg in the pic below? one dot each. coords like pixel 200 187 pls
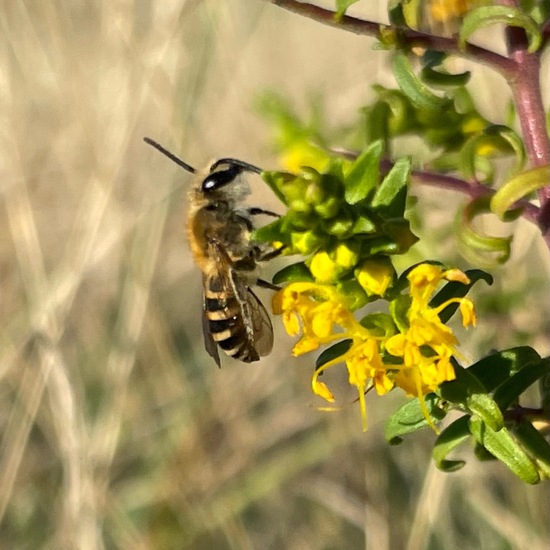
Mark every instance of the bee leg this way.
pixel 254 211
pixel 272 254
pixel 266 284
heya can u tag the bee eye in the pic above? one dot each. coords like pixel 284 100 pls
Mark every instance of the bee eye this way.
pixel 219 179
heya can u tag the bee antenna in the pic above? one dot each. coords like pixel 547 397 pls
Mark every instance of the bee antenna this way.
pixel 237 163
pixel 171 156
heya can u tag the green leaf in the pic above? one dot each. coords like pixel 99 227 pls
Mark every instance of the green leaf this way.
pixel 292 273
pixel 379 245
pixel 335 351
pixel 390 197
pixel 305 242
pixel 342 6
pixel 510 16
pixel 411 12
pixel 271 232
pixel 488 249
pixel 339 226
pixel 455 289
pixel 414 88
pixel 400 119
pixel 544 388
pixel 487 409
pixel 364 174
pixel 354 294
pixel 498 367
pixel 510 390
pixel 435 75
pixel 461 390
pixel 399 309
pixel 535 444
pixel 452 436
pixel 514 141
pixel 505 448
pixel 518 187
pixel 493 140
pixel 377 122
pixel 276 181
pixel 441 80
pixel 380 324
pixel 410 418
pixel 399 231
pixel 363 226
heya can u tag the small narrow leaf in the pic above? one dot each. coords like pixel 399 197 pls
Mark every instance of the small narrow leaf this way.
pixel 518 187
pixel 410 418
pixel 364 174
pixel 448 439
pixel 390 197
pixel 485 407
pixel 536 445
pixel 510 390
pixel 353 293
pixel 493 141
pixel 485 16
pixel 380 324
pixel 460 390
pixel 399 309
pixel 498 367
pixel 335 351
pixel 505 448
pixel 488 249
pixel 291 273
pixel 442 80
pixel 342 6
pixel 544 388
pixel 276 181
pixel 271 232
pixel 414 88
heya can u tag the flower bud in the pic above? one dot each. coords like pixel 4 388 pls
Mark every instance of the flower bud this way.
pixel 375 275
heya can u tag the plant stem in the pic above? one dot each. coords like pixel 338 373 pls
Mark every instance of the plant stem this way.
pixel 408 37
pixel 472 189
pixel 526 90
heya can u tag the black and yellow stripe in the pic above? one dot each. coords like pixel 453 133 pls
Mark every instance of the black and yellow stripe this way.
pixel 227 326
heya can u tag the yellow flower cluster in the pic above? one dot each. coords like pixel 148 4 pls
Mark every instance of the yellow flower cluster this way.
pixel 421 353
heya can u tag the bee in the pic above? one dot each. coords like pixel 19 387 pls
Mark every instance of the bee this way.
pixel 219 229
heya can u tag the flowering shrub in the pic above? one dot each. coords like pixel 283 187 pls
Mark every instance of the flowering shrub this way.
pixel 347 216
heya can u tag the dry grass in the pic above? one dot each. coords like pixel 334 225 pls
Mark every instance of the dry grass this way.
pixel 117 431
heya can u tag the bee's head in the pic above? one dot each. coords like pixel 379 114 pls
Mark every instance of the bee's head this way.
pixel 224 177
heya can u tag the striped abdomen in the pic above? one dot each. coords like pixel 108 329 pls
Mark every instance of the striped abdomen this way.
pixel 227 319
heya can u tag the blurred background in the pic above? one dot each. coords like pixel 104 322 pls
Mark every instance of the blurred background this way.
pixel 117 429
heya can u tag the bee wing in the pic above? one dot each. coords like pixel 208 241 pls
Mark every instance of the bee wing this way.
pixel 245 322
pixel 260 322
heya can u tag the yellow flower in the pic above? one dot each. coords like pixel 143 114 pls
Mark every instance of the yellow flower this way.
pixel 428 344
pixel 468 312
pixel 323 316
pixel 365 370
pixel 319 308
pixel 443 10
pixel 425 347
